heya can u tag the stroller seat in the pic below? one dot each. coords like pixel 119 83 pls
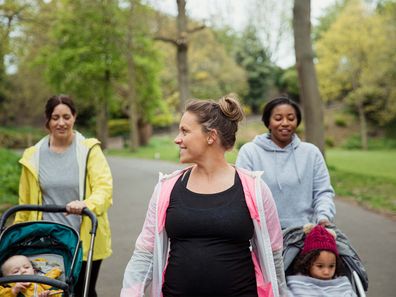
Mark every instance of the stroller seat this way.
pixel 48 245
pixel 293 242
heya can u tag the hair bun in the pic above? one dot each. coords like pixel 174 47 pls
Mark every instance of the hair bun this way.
pixel 231 108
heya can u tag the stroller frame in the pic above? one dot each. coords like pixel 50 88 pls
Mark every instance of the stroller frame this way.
pixel 43 279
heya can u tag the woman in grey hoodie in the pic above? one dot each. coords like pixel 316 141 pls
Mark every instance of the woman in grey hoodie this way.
pixel 295 171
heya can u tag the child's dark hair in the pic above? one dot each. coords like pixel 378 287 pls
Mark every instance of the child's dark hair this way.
pixel 303 263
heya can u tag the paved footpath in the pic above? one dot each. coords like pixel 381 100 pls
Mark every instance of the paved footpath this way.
pixel 372 235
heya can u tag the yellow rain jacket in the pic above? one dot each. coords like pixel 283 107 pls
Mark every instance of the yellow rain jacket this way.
pixel 95 188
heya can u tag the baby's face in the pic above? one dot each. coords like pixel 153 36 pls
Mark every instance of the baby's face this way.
pixel 18 265
pixel 324 266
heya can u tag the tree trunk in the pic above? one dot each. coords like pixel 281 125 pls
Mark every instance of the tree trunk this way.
pixel 310 98
pixel 182 49
pixel 363 126
pixel 102 120
pixel 132 98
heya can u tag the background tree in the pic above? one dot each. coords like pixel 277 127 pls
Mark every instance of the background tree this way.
pixel 181 43
pixel 310 98
pixel 84 57
pixel 252 56
pixel 356 64
pixel 139 83
pixel 11 13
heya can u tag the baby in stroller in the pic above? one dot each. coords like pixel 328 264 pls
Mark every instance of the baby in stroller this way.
pixel 318 269
pixel 21 265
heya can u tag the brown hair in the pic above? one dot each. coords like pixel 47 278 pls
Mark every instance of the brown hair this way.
pixel 303 263
pixel 53 102
pixel 223 116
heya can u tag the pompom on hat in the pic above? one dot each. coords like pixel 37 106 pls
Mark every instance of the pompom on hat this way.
pixel 319 239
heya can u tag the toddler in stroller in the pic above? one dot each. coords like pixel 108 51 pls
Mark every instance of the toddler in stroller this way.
pixel 53 252
pixel 318 265
pixel 21 265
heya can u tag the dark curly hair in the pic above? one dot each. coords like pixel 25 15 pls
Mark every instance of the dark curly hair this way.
pixel 276 102
pixel 303 263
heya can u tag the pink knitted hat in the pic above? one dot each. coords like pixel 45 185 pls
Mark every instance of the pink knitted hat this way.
pixel 319 239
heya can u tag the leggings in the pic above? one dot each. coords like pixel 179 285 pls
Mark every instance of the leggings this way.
pixel 79 288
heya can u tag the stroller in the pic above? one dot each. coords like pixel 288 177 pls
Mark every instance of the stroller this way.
pixel 46 244
pixel 293 242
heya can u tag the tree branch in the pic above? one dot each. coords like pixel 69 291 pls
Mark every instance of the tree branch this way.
pixel 166 39
pixel 196 29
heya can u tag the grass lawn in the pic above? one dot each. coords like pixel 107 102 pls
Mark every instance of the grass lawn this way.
pixel 369 177
pixel 372 163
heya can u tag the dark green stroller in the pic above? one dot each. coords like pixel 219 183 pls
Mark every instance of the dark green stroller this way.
pixel 59 245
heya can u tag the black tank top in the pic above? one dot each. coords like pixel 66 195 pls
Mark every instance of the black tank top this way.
pixel 209 243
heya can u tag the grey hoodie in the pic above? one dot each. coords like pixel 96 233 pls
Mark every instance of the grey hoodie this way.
pixel 297 177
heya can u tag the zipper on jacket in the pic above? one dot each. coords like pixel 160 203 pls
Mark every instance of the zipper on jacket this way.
pixel 86 170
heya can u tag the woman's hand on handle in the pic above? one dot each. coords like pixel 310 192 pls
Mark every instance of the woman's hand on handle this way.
pixel 75 207
pixel 324 222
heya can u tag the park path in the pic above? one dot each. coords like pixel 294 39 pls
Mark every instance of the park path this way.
pixel 372 235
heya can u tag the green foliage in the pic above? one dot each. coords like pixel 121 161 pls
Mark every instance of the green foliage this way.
pixel 354 143
pixel 118 127
pixel 86 48
pixel 213 70
pixel 340 121
pixel 287 82
pixel 19 138
pixel 328 18
pixel 356 61
pixel 9 178
pixel 252 56
pixel 329 142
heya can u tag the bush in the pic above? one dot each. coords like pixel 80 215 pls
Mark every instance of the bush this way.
pixel 19 138
pixel 329 142
pixel 118 127
pixel 354 142
pixel 9 177
pixel 340 121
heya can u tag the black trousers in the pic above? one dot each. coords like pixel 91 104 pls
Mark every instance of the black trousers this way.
pixel 79 288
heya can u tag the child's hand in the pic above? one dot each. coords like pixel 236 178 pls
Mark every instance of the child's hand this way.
pixel 19 287
pixel 45 293
pixel 49 293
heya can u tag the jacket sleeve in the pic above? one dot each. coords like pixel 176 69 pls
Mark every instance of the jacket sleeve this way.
pixel 323 193
pixel 25 194
pixel 139 271
pixel 275 234
pixel 244 159
pixel 101 182
pixel 6 292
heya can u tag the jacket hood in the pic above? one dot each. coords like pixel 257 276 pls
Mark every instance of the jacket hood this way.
pixel 30 157
pixel 264 141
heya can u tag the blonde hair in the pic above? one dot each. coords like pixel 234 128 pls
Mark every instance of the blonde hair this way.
pixel 223 116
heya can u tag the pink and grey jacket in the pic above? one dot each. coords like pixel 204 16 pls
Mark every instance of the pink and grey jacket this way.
pixel 148 262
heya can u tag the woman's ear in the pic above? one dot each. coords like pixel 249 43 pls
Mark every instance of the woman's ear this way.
pixel 212 136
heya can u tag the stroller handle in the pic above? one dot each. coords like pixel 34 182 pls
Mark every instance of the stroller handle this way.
pixel 46 208
pixel 35 279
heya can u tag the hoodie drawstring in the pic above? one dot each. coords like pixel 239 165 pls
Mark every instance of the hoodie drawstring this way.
pixel 295 165
pixel 276 170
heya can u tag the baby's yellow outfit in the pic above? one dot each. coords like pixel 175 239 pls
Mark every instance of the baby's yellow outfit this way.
pixel 34 289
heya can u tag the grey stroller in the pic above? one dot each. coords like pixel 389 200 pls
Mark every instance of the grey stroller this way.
pixel 293 242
